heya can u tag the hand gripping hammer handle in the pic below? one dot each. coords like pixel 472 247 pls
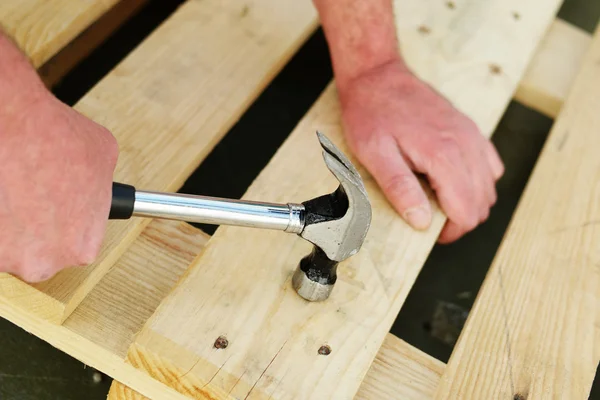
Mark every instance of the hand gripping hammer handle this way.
pixel 128 202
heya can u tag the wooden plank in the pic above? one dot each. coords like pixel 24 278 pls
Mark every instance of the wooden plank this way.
pixel 552 71
pixel 246 295
pixel 53 70
pixel 101 329
pixel 44 27
pixel 168 103
pixel 399 371
pixel 532 333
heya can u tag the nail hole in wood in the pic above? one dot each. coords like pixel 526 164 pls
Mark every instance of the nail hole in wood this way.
pixel 325 350
pixel 495 69
pixel 516 15
pixel 221 342
pixel 519 396
pixel 451 5
pixel 425 30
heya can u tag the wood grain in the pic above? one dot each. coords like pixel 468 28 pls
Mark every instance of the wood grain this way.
pixel 399 371
pixel 43 27
pixel 552 71
pixel 240 286
pixel 533 332
pixel 101 329
pixel 168 103
pixel 61 63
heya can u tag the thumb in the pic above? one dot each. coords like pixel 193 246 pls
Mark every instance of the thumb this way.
pixel 397 181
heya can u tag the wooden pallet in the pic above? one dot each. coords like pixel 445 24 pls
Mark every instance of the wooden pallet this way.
pixel 149 310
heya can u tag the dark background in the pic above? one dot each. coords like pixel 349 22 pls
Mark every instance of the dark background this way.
pixel 438 304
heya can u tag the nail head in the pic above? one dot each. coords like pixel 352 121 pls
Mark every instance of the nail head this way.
pixel 221 342
pixel 424 29
pixel 495 69
pixel 325 350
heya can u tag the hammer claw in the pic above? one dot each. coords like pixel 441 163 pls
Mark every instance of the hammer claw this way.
pixel 340 230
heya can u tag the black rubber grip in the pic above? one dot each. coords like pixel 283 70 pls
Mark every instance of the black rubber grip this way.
pixel 123 199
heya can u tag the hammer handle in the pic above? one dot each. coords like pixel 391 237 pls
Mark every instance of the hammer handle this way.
pixel 128 202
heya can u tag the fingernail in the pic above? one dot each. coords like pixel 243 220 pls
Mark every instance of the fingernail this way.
pixel 418 217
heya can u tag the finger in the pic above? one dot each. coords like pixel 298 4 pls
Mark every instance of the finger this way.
pixel 398 182
pixel 450 177
pixel 485 189
pixel 451 233
pixel 474 149
pixel 494 160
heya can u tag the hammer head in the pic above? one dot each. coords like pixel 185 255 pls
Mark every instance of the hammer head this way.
pixel 336 224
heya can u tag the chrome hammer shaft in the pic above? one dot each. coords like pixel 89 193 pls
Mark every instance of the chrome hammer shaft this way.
pixel 336 223
pixel 215 211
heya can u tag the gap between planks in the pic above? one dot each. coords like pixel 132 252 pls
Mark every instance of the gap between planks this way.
pixel 543 82
pixel 56 298
pixel 42 28
pixel 101 329
pixel 223 55
pixel 273 335
pixel 533 328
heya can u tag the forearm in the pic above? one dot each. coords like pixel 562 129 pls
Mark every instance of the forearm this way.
pixel 361 35
pixel 19 81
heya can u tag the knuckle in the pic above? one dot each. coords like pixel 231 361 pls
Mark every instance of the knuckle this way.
pixel 87 255
pixel 485 215
pixel 401 184
pixel 35 275
pixel 446 151
pixel 471 222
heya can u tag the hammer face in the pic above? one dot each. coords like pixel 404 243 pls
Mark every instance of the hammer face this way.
pixel 315 276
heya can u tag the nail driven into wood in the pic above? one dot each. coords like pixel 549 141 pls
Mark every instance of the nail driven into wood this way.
pixel 425 30
pixel 495 69
pixel 325 350
pixel 221 343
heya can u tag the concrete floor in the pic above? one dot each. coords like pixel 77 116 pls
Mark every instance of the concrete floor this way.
pixel 436 307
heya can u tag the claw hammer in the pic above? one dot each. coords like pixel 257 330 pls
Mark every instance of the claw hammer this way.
pixel 336 223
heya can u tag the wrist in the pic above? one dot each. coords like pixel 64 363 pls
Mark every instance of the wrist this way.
pixel 393 72
pixel 361 35
pixel 393 65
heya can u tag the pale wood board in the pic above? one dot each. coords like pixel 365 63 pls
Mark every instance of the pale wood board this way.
pixel 101 329
pixel 533 331
pixel 168 103
pixel 550 75
pixel 474 52
pixel 42 27
pixel 61 63
pixel 400 371
pixel 240 286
